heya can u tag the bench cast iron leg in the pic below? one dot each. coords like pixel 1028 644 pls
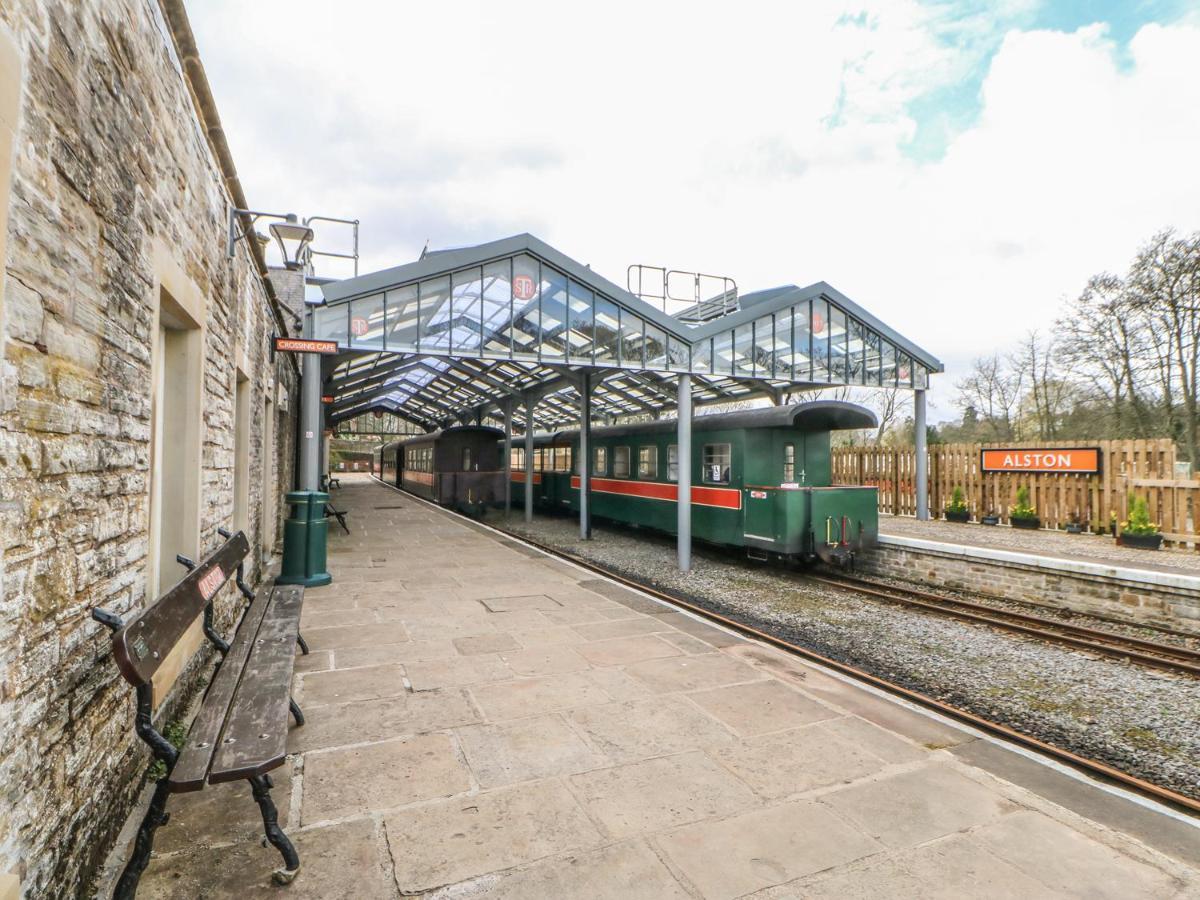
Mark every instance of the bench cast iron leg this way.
pixel 156 815
pixel 261 787
pixel 303 643
pixel 296 713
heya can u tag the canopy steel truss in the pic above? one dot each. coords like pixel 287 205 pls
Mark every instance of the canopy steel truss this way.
pixel 463 335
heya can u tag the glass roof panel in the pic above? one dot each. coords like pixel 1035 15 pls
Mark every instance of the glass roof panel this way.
pixel 463 332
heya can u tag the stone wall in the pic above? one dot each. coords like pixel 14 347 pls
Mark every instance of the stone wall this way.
pixel 1090 587
pixel 113 181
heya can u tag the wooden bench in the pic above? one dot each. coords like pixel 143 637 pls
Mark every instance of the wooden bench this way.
pixel 241 729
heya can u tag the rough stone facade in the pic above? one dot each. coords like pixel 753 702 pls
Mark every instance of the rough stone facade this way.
pixel 1082 586
pixel 112 178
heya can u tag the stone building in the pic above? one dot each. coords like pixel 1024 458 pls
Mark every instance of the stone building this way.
pixel 140 407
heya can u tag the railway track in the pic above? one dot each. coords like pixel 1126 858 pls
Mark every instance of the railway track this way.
pixel 1168 657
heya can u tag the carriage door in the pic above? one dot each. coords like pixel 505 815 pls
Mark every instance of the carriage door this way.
pixel 760 513
pixel 759 481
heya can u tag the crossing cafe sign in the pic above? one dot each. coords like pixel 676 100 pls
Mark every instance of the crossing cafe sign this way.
pixel 305 345
pixel 1069 460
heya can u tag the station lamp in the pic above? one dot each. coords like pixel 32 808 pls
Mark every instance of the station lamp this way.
pixel 293 237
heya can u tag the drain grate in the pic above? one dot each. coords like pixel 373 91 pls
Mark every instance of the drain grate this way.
pixel 389 507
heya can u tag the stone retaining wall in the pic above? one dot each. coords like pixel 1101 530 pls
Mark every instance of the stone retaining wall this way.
pixel 1159 597
pixel 114 189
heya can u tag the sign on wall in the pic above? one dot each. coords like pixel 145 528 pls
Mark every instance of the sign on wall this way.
pixel 305 345
pixel 1068 460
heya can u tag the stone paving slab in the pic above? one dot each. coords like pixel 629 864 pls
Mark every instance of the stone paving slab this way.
pixel 486 722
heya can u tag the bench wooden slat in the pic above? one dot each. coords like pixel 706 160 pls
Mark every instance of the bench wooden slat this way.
pixel 143 643
pixel 255 736
pixel 191 768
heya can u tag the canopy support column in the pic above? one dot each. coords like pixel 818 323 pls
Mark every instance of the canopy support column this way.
pixel 585 441
pixel 683 459
pixel 508 411
pixel 529 404
pixel 922 452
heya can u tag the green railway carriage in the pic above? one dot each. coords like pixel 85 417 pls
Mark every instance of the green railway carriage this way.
pixel 761 480
pixel 459 467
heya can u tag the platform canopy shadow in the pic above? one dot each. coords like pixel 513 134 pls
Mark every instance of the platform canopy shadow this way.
pixel 469 334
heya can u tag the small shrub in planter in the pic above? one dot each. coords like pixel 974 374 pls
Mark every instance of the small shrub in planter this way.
pixel 1139 531
pixel 1022 515
pixel 956 510
pixel 990 519
pixel 1074 526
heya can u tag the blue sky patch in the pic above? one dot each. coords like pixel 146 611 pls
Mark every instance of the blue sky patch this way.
pixel 945 112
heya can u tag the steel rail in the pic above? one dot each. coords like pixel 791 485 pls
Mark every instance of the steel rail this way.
pixel 1148 653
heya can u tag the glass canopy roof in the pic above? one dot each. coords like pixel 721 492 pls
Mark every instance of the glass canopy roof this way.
pixel 455 335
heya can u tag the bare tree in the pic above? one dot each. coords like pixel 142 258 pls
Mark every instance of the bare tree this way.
pixel 1165 283
pixel 1103 344
pixel 885 405
pixel 993 389
pixel 1049 394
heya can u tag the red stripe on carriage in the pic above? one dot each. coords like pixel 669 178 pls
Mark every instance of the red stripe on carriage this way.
pixel 520 476
pixel 724 498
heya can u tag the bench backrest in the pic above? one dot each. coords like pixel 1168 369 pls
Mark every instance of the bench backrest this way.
pixel 142 644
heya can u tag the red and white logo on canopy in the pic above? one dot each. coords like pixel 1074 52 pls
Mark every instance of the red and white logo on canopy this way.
pixel 359 326
pixel 818 323
pixel 524 287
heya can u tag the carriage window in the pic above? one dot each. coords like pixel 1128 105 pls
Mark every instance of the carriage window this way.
pixel 647 462
pixel 716 463
pixel 600 461
pixel 673 462
pixel 516 458
pixel 621 462
pixel 789 462
pixel 466 459
pixel 560 459
pixel 539 459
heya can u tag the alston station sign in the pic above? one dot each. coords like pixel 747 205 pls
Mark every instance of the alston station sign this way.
pixel 1067 460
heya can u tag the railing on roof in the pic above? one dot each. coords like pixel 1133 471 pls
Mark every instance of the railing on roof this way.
pixel 704 297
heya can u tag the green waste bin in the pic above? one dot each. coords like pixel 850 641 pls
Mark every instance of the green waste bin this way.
pixel 304 536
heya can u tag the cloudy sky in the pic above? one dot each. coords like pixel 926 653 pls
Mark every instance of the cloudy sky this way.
pixel 957 168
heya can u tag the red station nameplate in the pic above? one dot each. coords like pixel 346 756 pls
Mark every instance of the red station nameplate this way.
pixel 1077 460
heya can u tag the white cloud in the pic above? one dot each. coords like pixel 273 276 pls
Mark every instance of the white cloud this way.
pixel 761 141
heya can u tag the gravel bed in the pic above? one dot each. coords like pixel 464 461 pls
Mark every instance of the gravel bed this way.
pixel 1138 720
pixel 1044 542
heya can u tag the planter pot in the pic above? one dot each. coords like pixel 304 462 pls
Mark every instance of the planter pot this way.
pixel 952 516
pixel 1142 541
pixel 1074 529
pixel 989 520
pixel 1032 524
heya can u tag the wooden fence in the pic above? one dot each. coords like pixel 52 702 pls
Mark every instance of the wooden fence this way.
pixel 1145 468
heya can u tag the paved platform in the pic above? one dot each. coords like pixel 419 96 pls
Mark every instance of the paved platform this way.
pixel 486 722
pixel 1085 548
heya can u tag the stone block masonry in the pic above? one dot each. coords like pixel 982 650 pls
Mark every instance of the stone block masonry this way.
pixel 1141 595
pixel 115 196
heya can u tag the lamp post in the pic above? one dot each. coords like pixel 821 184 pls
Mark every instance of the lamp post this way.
pixel 294 238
